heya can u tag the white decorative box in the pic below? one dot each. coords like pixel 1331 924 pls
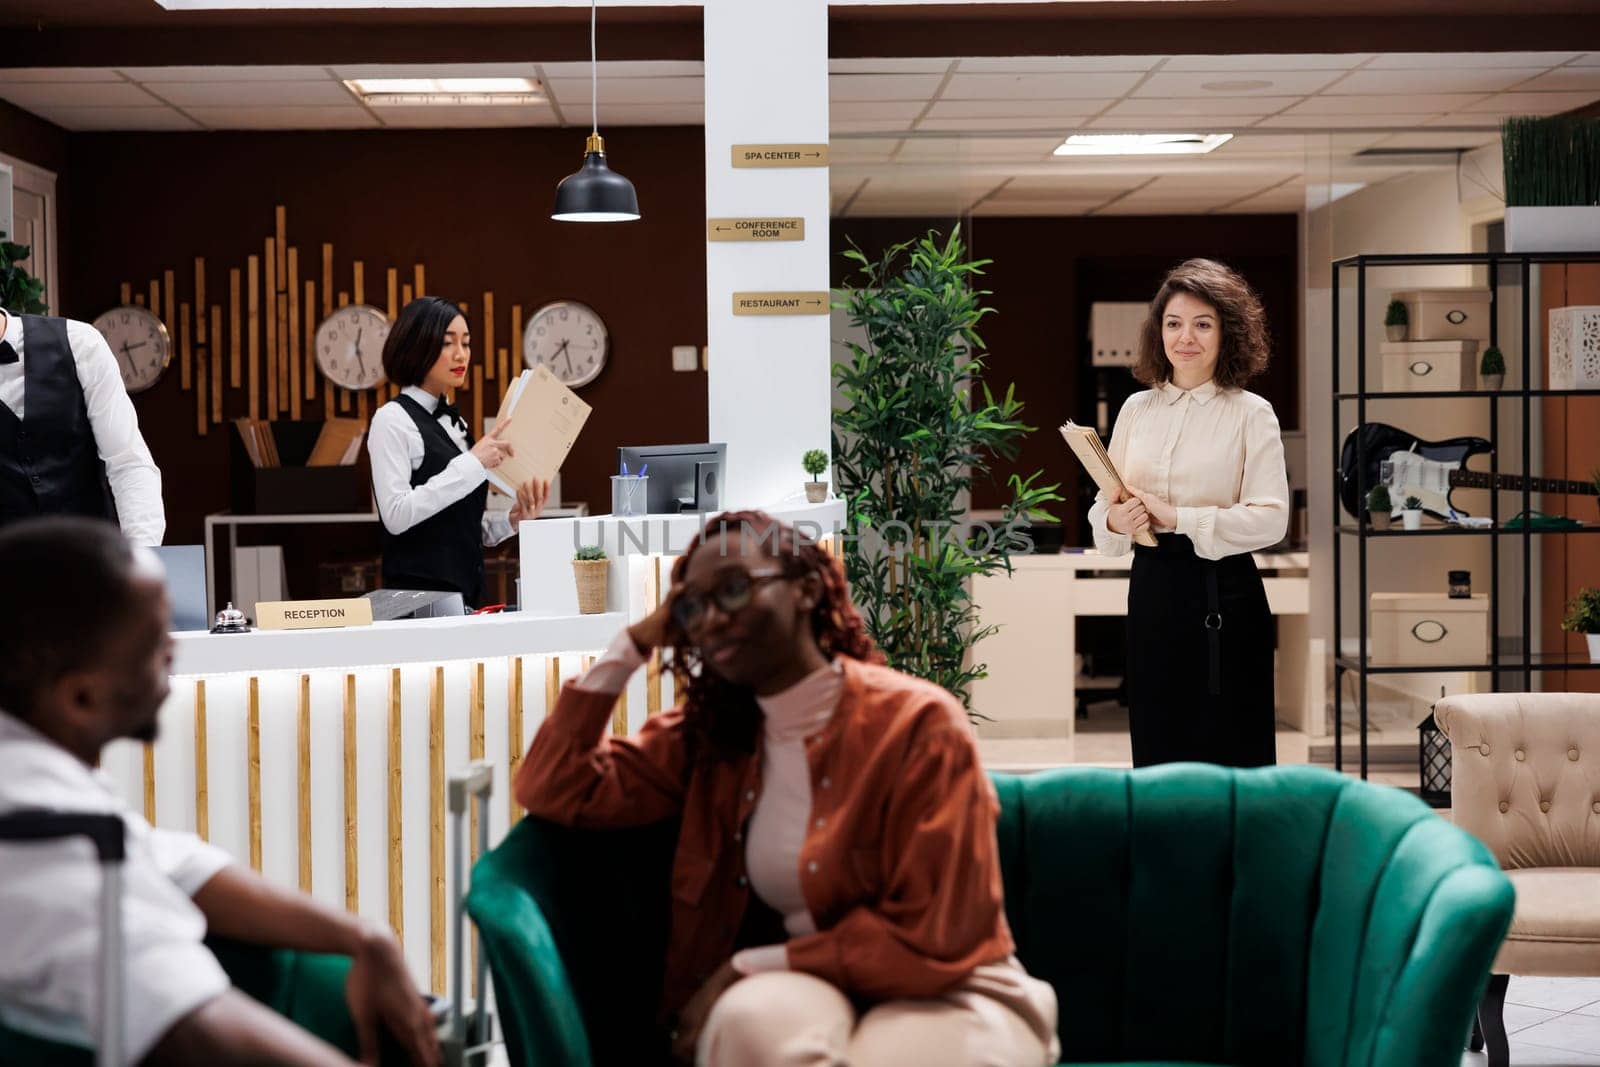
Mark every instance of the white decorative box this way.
pixel 1459 313
pixel 1575 347
pixel 1424 629
pixel 1429 366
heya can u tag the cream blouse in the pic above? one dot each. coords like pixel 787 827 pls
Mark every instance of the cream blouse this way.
pixel 1215 455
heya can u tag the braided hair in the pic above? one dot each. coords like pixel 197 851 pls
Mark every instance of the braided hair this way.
pixel 722 718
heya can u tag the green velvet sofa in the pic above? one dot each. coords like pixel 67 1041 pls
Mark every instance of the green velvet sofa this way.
pixel 1185 914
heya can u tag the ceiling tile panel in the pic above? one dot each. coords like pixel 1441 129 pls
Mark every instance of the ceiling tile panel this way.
pixel 325 93
pixel 1247 83
pixel 1038 86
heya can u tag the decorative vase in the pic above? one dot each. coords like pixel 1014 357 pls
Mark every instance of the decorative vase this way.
pixel 1492 382
pixel 591 578
pixel 816 492
pixel 1395 333
pixel 1594 647
pixel 1552 229
pixel 1574 348
pixel 1411 518
pixel 1380 519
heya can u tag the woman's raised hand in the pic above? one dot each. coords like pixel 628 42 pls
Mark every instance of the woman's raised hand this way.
pixel 1127 514
pixel 490 450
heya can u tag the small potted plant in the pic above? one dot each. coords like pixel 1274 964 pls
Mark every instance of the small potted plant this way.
pixel 1380 508
pixel 589 567
pixel 1395 321
pixel 815 462
pixel 1583 617
pixel 1492 369
pixel 1411 513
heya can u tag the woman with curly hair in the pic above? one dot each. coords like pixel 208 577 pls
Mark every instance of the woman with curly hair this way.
pixel 1203 462
pixel 836 892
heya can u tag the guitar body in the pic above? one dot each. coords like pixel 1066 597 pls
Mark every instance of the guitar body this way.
pixel 1421 466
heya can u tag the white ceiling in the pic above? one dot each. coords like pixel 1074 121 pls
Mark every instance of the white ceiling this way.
pixel 945 136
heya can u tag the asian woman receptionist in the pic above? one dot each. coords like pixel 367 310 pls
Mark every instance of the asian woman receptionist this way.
pixel 429 477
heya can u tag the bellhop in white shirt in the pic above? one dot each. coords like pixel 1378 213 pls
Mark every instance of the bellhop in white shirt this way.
pixel 429 477
pixel 1203 460
pixel 69 436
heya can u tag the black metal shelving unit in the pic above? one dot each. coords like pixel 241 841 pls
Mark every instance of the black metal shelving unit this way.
pixel 1358 533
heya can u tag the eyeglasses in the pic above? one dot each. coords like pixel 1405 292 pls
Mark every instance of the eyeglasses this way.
pixel 732 593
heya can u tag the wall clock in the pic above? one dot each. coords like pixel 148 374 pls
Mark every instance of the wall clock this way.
pixel 350 346
pixel 140 342
pixel 570 339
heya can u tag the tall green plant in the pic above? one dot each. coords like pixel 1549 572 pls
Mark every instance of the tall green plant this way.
pixel 20 292
pixel 907 446
pixel 1551 162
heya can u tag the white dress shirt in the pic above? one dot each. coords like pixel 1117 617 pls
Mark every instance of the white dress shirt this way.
pixel 396 446
pixel 135 479
pixel 1215 455
pixel 50 908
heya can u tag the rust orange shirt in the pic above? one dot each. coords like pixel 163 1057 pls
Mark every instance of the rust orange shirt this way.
pixel 900 866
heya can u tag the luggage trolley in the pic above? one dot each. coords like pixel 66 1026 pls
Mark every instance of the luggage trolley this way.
pixel 466 1037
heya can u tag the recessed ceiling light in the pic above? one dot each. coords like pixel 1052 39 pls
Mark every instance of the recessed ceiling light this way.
pixel 1247 85
pixel 393 92
pixel 1141 144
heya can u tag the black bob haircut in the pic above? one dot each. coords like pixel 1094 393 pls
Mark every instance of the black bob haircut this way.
pixel 416 339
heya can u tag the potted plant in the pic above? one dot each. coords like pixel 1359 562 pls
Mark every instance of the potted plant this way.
pixel 1380 509
pixel 1550 168
pixel 815 462
pixel 20 292
pixel 589 567
pixel 1411 513
pixel 1395 321
pixel 1583 617
pixel 1492 369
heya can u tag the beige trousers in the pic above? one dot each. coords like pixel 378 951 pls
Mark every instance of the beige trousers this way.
pixel 999 1017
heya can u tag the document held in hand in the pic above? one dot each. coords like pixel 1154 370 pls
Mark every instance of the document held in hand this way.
pixel 546 418
pixel 1085 444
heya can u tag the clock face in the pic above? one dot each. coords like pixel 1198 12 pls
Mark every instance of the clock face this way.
pixel 350 346
pixel 569 339
pixel 139 341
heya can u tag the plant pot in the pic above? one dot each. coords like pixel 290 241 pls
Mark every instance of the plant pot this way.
pixel 1491 382
pixel 1395 333
pixel 816 492
pixel 1552 229
pixel 1411 519
pixel 1594 647
pixel 1380 519
pixel 590 575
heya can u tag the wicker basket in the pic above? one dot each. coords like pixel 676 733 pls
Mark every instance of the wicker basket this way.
pixel 591 577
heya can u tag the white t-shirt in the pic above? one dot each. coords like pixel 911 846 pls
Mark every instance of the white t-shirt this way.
pixel 50 908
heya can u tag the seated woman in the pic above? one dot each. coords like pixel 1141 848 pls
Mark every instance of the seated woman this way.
pixel 836 887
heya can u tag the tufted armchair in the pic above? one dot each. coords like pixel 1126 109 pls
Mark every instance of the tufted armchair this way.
pixel 1526 781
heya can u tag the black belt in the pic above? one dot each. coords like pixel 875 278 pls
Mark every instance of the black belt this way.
pixel 1213 624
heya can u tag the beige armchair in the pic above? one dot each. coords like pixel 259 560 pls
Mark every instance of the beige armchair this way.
pixel 1526 781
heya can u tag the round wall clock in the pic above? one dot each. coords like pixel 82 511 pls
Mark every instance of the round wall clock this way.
pixel 350 346
pixel 139 341
pixel 570 339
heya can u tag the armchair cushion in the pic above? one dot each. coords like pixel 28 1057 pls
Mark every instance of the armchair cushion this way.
pixel 1556 929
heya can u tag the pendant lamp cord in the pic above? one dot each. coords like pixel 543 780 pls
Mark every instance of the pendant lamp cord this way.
pixel 594 74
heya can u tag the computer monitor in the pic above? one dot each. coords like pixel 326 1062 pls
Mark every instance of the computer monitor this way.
pixel 186 585
pixel 682 477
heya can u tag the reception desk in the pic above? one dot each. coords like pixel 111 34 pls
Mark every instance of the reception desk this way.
pixel 320 757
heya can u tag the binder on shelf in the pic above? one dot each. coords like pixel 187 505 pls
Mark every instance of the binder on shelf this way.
pixel 1085 444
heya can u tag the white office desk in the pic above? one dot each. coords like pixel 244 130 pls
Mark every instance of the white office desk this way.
pixel 1032 683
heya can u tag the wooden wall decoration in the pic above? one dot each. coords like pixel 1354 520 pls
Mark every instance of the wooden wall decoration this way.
pixel 264 365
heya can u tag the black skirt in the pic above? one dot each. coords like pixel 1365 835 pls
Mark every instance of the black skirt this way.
pixel 1200 658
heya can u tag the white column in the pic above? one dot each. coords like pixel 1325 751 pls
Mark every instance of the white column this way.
pixel 766 82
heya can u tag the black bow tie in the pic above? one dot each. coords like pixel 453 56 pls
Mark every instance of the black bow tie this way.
pixel 7 353
pixel 447 408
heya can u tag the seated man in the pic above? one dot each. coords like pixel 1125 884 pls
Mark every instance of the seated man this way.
pixel 84 663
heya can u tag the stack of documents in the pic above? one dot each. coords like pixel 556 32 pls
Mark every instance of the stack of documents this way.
pixel 1085 444
pixel 545 420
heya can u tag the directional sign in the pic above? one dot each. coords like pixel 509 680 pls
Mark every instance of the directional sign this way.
pixel 780 155
pixel 803 303
pixel 756 229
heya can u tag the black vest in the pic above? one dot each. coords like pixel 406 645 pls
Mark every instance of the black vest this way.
pixel 445 550
pixel 49 464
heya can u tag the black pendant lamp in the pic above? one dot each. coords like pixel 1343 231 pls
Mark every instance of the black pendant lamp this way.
pixel 596 193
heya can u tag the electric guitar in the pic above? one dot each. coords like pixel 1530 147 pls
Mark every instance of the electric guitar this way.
pixel 1428 470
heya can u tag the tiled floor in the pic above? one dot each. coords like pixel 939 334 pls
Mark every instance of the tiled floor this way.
pixel 1553 1022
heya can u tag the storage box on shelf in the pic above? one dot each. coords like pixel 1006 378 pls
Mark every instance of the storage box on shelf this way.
pixel 1575 347
pixel 1429 366
pixel 1447 314
pixel 1429 629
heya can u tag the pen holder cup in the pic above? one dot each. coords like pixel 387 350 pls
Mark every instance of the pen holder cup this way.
pixel 628 494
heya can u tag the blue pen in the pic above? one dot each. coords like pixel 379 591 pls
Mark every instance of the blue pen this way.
pixel 624 468
pixel 643 469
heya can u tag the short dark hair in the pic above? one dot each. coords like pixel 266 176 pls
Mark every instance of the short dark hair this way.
pixel 67 591
pixel 416 338
pixel 1246 343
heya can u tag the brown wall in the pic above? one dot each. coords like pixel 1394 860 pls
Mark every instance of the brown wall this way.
pixel 1047 271
pixel 472 205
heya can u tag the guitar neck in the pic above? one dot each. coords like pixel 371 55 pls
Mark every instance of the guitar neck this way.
pixel 1478 480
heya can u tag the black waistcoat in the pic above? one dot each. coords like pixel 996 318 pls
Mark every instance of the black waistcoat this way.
pixel 445 550
pixel 49 464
